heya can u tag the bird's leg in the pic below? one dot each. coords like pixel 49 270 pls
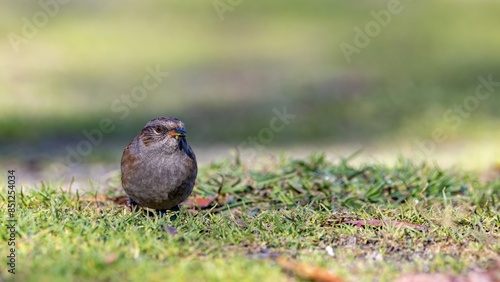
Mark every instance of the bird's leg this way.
pixel 175 208
pixel 134 206
pixel 161 212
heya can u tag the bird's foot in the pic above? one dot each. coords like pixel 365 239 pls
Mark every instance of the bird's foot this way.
pixel 134 206
pixel 175 209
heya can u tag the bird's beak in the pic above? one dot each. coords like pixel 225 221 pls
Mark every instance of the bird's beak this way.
pixel 176 133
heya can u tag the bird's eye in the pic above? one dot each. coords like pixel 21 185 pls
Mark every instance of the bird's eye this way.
pixel 158 129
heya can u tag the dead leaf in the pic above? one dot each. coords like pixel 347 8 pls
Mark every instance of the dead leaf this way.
pixel 171 230
pixel 200 202
pixel 96 198
pixel 491 174
pixel 306 271
pixel 492 274
pixel 109 259
pixel 378 222
pixel 426 277
pixel 239 222
pixel 120 200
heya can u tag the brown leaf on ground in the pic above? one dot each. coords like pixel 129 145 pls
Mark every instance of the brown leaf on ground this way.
pixel 120 200
pixel 491 174
pixel 109 259
pixel 200 202
pixel 96 198
pixel 378 222
pixel 306 271
pixel 427 277
pixel 239 222
pixel 492 274
pixel 203 203
pixel 171 230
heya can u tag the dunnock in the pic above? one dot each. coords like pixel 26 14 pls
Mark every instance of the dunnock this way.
pixel 158 166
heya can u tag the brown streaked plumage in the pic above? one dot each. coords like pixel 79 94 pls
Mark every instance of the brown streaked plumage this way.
pixel 158 166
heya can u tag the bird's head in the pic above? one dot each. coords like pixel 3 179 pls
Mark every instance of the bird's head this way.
pixel 165 133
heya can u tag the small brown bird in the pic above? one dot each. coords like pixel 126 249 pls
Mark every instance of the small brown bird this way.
pixel 158 166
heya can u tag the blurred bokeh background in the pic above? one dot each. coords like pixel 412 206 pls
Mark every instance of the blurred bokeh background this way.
pixel 374 75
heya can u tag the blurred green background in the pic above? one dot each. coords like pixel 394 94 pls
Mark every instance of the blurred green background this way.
pixel 228 70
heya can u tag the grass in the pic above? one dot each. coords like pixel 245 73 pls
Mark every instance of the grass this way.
pixel 225 79
pixel 292 208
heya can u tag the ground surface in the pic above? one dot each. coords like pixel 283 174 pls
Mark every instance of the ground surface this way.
pixel 410 90
pixel 306 211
